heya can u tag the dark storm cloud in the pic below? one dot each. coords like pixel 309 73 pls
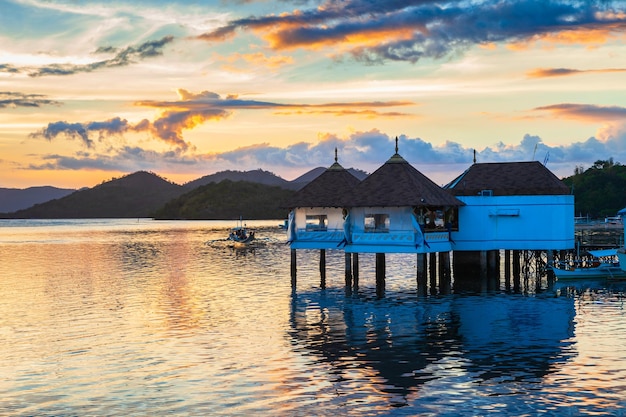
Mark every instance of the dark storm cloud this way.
pixel 13 99
pixel 120 58
pixel 410 30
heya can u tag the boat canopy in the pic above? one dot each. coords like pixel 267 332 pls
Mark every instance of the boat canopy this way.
pixel 603 253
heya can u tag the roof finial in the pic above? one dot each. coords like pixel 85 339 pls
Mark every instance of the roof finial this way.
pixel 474 155
pixel 335 154
pixel 396 144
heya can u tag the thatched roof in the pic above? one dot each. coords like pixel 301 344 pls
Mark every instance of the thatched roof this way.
pixel 332 188
pixel 508 178
pixel 397 183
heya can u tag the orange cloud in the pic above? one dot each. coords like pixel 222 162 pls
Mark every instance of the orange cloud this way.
pixel 257 59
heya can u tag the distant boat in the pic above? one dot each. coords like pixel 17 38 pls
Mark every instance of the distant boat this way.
pixel 603 266
pixel 240 234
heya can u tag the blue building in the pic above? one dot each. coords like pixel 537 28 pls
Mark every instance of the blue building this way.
pixel 512 205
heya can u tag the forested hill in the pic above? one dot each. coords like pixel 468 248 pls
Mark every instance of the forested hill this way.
pixel 228 200
pixel 134 195
pixel 600 190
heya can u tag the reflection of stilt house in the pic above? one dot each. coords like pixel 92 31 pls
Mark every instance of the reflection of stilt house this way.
pixel 397 209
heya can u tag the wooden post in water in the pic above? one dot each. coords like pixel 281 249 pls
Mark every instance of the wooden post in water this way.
pixel 293 268
pixel 507 269
pixel 355 270
pixel 550 272
pixel 323 268
pixel 433 272
pixel 484 275
pixel 493 269
pixel 445 277
pixel 348 258
pixel 380 274
pixel 516 270
pixel 421 273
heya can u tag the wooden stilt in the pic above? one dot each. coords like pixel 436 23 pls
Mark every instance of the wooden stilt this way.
pixel 484 275
pixel 380 274
pixel 421 273
pixel 432 269
pixel 516 270
pixel 323 268
pixel 348 259
pixel 293 268
pixel 493 270
pixel 550 273
pixel 355 270
pixel 445 277
pixel 507 269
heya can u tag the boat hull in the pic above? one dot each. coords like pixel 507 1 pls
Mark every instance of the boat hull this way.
pixel 600 272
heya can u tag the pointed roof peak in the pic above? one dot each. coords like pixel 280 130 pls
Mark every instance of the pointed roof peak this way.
pixel 396 158
pixel 335 166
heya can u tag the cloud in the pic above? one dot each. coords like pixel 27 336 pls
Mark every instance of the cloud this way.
pixel 256 59
pixel 585 112
pixel 8 68
pixel 366 150
pixel 396 30
pixel 120 58
pixel 560 72
pixel 13 99
pixel 194 109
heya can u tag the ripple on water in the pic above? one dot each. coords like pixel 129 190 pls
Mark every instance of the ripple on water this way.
pixel 147 320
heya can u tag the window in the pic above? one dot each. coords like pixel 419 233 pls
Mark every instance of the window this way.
pixel 316 222
pixel 437 218
pixel 377 223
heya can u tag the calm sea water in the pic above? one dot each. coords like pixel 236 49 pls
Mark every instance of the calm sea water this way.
pixel 145 318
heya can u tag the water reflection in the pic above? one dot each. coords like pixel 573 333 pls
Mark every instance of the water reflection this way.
pixel 148 319
pixel 398 345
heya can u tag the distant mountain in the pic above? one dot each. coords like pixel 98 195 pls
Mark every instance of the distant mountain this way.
pixel 307 177
pixel 144 194
pixel 260 176
pixel 228 200
pixel 136 195
pixel 257 176
pixel 13 199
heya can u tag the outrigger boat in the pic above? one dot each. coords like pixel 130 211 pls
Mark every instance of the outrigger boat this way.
pixel 240 234
pixel 602 266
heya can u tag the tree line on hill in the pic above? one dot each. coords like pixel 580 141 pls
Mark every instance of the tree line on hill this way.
pixel 599 191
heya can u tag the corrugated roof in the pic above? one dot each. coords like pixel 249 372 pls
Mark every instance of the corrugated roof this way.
pixel 397 183
pixel 508 178
pixel 332 188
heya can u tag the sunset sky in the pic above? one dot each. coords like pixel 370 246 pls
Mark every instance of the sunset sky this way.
pixel 92 90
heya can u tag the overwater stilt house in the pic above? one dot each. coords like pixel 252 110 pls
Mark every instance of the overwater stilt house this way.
pixel 318 215
pixel 513 205
pixel 397 209
pixel 318 218
pixel 510 206
pixel 516 206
